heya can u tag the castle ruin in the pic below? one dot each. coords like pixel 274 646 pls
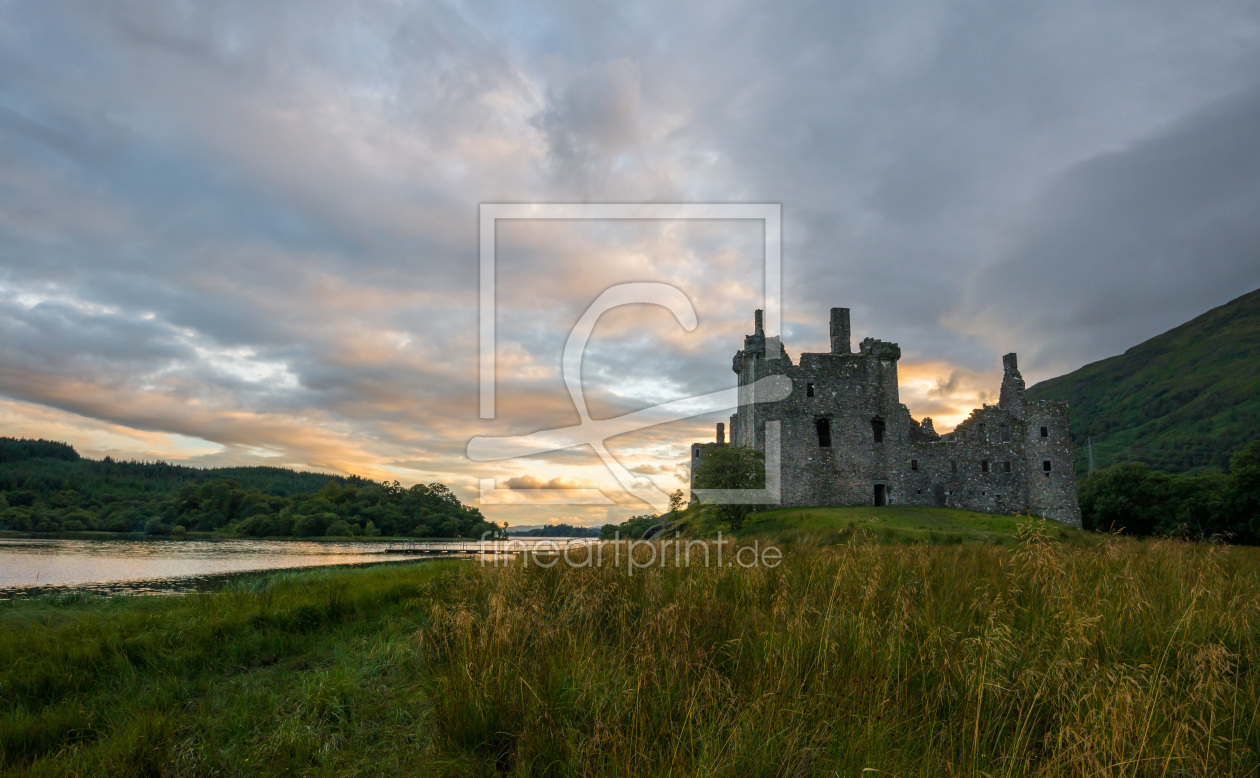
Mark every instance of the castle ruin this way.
pixel 846 439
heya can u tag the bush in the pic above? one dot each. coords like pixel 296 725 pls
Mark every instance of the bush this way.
pixel 154 526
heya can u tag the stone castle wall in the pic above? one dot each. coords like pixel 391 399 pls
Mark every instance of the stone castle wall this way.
pixel 848 440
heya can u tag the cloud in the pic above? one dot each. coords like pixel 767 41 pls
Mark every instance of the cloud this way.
pixel 559 482
pixel 237 233
pixel 1129 243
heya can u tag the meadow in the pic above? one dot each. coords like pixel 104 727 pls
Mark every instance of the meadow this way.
pixel 1034 655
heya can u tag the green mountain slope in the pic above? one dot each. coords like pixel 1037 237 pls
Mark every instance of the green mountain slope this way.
pixel 1185 399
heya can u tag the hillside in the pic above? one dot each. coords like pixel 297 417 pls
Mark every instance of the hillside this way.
pixel 47 467
pixel 1183 400
pixel 47 487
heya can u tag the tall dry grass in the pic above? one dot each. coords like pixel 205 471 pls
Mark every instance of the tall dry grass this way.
pixel 1121 658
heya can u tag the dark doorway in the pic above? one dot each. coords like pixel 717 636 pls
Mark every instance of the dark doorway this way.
pixel 938 496
pixel 824 432
pixel 881 494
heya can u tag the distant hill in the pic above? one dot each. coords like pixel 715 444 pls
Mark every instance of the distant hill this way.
pixel 1183 400
pixel 48 466
pixel 46 486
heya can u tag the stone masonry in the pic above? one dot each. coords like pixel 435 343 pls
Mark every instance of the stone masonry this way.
pixel 846 439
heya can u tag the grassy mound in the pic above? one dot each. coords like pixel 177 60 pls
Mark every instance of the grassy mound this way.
pixel 827 526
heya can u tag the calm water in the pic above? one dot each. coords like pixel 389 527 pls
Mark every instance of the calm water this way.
pixel 30 566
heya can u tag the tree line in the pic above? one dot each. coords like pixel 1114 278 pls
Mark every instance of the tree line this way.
pixel 47 487
pixel 1131 498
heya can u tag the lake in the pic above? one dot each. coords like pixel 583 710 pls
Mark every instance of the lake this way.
pixel 32 566
pixel 38 566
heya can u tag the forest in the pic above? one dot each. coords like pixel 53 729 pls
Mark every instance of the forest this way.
pixel 1209 505
pixel 46 486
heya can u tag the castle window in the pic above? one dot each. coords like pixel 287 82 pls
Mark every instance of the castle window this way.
pixel 953 465
pixel 809 389
pixel 1045 432
pixel 1006 467
pixel 914 464
pixel 982 432
pixel 877 428
pixel 1006 434
pixel 1045 465
pixel 984 466
pixel 824 432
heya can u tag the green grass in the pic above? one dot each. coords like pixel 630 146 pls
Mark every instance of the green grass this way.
pixel 828 526
pixel 1034 657
pixel 278 674
pixel 922 524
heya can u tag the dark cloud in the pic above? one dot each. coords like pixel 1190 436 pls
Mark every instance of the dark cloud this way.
pixel 1130 243
pixel 257 225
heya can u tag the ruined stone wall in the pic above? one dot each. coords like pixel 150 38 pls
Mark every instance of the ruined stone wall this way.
pixel 701 450
pixel 979 467
pixel 995 461
pixel 1051 492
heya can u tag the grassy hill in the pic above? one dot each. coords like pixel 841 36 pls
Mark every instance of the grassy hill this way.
pixel 1183 400
pixel 895 523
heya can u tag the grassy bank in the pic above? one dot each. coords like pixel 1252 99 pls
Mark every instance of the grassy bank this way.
pixel 1041 657
pixel 903 524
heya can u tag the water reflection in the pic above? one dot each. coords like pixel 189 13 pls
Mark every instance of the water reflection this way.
pixel 107 566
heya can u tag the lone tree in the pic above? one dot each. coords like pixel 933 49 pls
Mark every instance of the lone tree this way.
pixel 732 467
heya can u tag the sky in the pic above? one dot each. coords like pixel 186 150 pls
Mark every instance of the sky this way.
pixel 244 233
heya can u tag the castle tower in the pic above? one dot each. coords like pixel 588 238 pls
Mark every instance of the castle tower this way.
pixel 841 334
pixel 1011 398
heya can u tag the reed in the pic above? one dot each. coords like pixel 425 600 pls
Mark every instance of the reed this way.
pixel 1115 657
